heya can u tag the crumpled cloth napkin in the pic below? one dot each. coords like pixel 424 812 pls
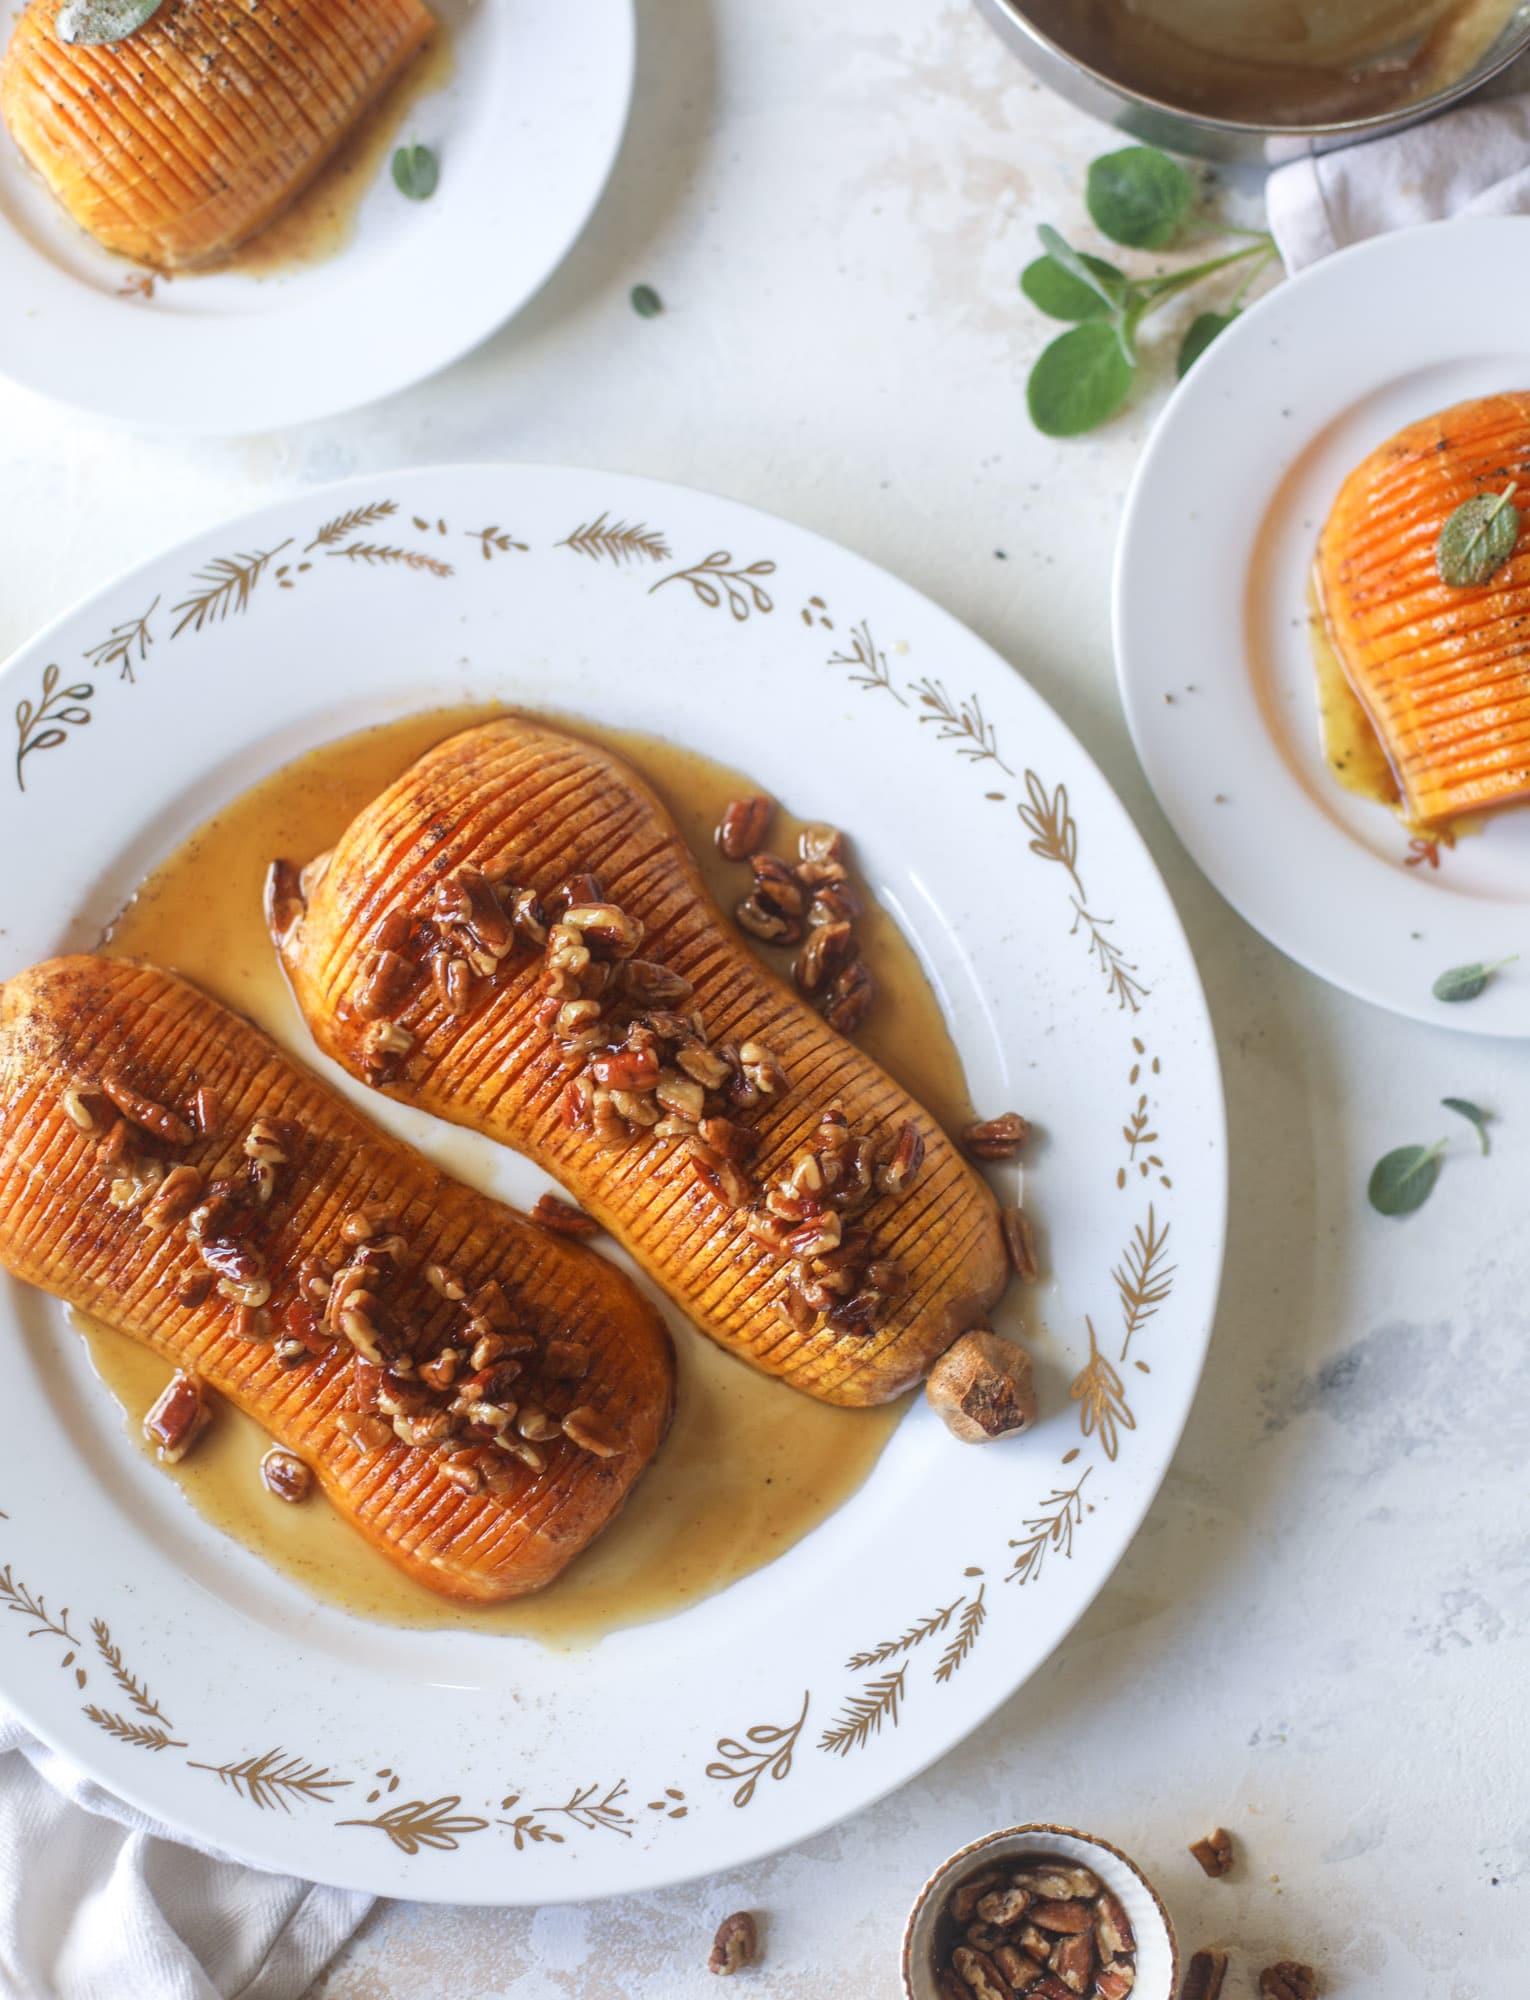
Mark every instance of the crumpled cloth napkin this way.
pixel 1474 161
pixel 98 1902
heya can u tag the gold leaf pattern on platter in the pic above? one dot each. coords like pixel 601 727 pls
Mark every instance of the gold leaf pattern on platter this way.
pixel 1101 1397
pixel 619 542
pixel 418 1823
pixel 962 723
pixel 717 578
pixel 868 664
pixel 917 1633
pixel 863 1714
pixel 350 523
pixel 1052 827
pixel 526 1827
pixel 227 584
pixel 1049 1532
pixel 967 1630
pixel 274 1779
pixel 1137 1131
pixel 117 651
pixel 1142 1278
pixel 490 539
pixel 381 552
pixel 1119 970
pixel 595 1814
pixel 141 1735
pixel 15 1596
pixel 47 724
pixel 136 1690
pixel 767 1750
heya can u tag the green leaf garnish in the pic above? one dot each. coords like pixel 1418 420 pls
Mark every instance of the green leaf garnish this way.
pixel 1465 982
pixel 1199 335
pixel 1138 196
pixel 1051 285
pixel 1403 1180
pixel 1478 537
pixel 1082 379
pixel 1473 1114
pixel 93 23
pixel 416 172
pixel 646 302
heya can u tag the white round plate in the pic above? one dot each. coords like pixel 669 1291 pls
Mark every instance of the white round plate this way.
pixel 1210 614
pixel 526 128
pixel 756 1717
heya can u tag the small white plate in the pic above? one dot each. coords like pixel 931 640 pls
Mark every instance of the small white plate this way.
pixel 1210 615
pixel 799 1694
pixel 526 128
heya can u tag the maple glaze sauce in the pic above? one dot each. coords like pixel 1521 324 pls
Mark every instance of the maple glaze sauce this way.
pixel 750 1466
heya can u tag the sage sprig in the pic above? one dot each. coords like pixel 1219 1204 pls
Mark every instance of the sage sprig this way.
pixel 1465 982
pixel 1474 1116
pixel 1139 197
pixel 1404 1179
pixel 416 172
pixel 1478 538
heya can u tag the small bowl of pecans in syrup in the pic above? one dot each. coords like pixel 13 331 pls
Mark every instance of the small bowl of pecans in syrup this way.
pixel 1039 1913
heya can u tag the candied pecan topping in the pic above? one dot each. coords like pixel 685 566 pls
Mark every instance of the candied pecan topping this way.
pixel 996 1138
pixel 145 1112
pixel 828 950
pixel 744 827
pixel 763 920
pixel 174 1198
pixel 178 1417
pixel 1214 1851
pixel 284 1474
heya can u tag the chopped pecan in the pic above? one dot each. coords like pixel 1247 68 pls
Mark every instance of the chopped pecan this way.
pixel 364 1430
pixel 285 1475
pixel 464 1473
pixel 1069 1918
pixel 592 1433
pixel 1112 1927
pixel 765 922
pixel 174 1198
pixel 648 984
pixel 996 1138
pixel 112 1148
pixel 178 1417
pixel 980 1975
pixel 562 1217
pixel 776 887
pixel 143 1111
pixel 819 844
pixel 467 899
pixel 1073 1959
pixel 1288 1979
pixel 453 982
pixel 392 930
pixel 192 1290
pixel 736 1945
pixel 442 1371
pixel 1115 1980
pixel 1214 1851
pixel 385 978
pixel 606 925
pixel 896 1177
pixel 204 1110
pixel 1020 1242
pixel 76 1110
pixel 982 1388
pixel 744 827
pixel 829 949
pixel 850 998
pixel 964 1898
pixel 566 1361
pixel 833 903
pixel 1204 1975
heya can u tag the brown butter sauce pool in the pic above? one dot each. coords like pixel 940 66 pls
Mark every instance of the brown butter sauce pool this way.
pixel 750 1466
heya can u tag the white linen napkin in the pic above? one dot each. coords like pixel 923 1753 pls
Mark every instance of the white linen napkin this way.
pixel 97 1902
pixel 1475 161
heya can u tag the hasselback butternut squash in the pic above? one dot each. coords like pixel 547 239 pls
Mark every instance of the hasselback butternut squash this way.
pixel 176 144
pixel 476 1396
pixel 1443 671
pixel 514 936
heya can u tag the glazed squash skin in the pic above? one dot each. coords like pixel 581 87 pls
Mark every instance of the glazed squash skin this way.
pixel 176 144
pixel 1443 672
pixel 81 1037
pixel 531 806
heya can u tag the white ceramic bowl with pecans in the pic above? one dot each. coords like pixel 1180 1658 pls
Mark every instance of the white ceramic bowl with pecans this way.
pixel 1014 1867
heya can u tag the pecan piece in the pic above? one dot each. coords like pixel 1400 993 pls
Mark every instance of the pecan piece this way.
pixel 776 886
pixel 565 1361
pixel 982 1388
pixel 1004 1906
pixel 850 998
pixel 1071 1918
pixel 178 1417
pixel 174 1198
pixel 833 903
pixel 605 924
pixel 192 1290
pixel 964 1898
pixel 1116 1980
pixel 649 984
pixel 385 978
pixel 1214 1850
pixel 897 1176
pixel 769 925
pixel 736 1945
pixel 591 1432
pixel 1020 1242
pixel 562 1217
pixel 829 949
pixel 467 898
pixel 1288 1979
pixel 980 1975
pixel 1204 1975
pixel 820 844
pixel 1112 1927
pixel 143 1111
pixel 1073 1960
pixel 744 827
pixel 996 1138
pixel 285 1475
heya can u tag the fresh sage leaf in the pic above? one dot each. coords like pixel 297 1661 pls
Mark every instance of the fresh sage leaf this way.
pixel 1138 196
pixel 1465 982
pixel 1477 538
pixel 94 22
pixel 416 172
pixel 1079 381
pixel 1112 287
pixel 1473 1114
pixel 646 302
pixel 1403 1180
pixel 1199 335
pixel 1051 286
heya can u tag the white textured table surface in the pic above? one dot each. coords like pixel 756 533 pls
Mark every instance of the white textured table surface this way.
pixel 1320 1638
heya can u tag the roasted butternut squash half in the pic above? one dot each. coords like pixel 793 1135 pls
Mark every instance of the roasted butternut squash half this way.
pixel 476 1396
pixel 1443 670
pixel 515 936
pixel 176 144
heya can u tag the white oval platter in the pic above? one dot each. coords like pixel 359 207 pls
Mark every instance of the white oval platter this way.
pixel 756 1717
pixel 526 128
pixel 1210 615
